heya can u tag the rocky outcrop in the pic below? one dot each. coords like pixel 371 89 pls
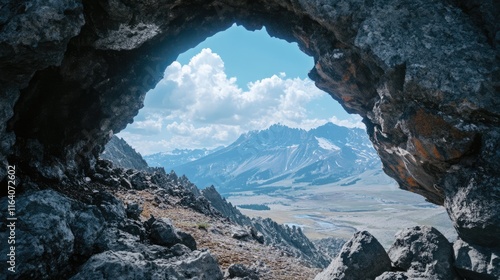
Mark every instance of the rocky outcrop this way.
pixel 58 237
pixel 476 262
pixel 225 207
pixel 291 240
pixel 423 252
pixel 330 246
pixel 423 74
pixel 239 271
pixel 122 155
pixel 127 265
pixel 362 257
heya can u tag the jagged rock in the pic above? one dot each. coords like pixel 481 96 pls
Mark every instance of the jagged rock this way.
pixel 330 246
pixel 240 271
pixel 129 265
pixel 114 239
pixel 112 208
pixel 114 265
pixel 241 234
pixel 51 230
pixel 257 235
pixel 122 155
pixel 162 232
pixel 224 207
pixel 291 240
pixel 362 257
pixel 133 211
pixel 423 252
pixel 133 227
pixel 476 262
pixel 139 181
pixel 268 232
pixel 423 74
pixel 392 276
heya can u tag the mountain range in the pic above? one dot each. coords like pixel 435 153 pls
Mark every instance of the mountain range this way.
pixel 279 157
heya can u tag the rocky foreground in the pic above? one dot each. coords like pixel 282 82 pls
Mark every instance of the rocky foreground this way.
pixel 130 224
pixel 423 74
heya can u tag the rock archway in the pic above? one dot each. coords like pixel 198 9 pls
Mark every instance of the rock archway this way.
pixel 424 75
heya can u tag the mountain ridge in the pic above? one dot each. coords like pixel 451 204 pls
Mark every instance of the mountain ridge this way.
pixel 321 155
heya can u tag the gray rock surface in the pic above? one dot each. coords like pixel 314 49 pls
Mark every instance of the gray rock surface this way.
pixel 392 276
pixel 362 257
pixel 423 252
pixel 51 230
pixel 330 246
pixel 162 232
pixel 133 211
pixel 56 234
pixel 240 271
pixel 423 74
pixel 127 265
pixel 476 262
pixel 122 155
pixel 224 207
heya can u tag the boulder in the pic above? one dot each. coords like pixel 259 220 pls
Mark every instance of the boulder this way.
pixel 133 211
pixel 162 232
pixel 476 262
pixel 51 230
pixel 362 257
pixel 241 271
pixel 134 265
pixel 423 252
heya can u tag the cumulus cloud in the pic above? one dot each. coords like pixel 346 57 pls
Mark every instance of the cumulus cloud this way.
pixel 198 105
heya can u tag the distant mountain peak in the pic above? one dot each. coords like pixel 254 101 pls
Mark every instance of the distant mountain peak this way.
pixel 279 153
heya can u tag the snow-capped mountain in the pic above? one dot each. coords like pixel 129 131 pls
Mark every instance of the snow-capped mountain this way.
pixel 281 155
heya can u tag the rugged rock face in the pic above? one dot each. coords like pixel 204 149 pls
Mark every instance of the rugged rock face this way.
pixel 291 240
pixel 362 257
pixel 423 252
pixel 423 74
pixel 60 237
pixel 476 262
pixel 122 155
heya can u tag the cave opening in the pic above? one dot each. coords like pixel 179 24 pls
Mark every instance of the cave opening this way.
pixel 426 85
pixel 212 95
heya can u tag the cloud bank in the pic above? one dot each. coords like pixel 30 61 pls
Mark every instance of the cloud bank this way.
pixel 198 106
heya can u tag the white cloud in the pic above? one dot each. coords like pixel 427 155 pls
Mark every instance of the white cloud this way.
pixel 197 105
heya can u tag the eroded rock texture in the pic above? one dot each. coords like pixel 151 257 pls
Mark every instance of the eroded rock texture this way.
pixel 362 257
pixel 423 74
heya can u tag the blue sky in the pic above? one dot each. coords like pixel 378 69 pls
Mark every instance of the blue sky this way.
pixel 231 83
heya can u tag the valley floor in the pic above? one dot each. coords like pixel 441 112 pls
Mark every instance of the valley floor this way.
pixel 371 202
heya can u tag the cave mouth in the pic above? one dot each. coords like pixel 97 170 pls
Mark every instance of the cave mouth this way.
pixel 428 101
pixel 233 82
pixel 166 125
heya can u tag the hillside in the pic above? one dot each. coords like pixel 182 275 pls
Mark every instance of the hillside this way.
pixel 268 157
pixel 123 155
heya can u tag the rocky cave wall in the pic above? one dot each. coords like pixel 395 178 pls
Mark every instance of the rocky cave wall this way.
pixel 423 74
